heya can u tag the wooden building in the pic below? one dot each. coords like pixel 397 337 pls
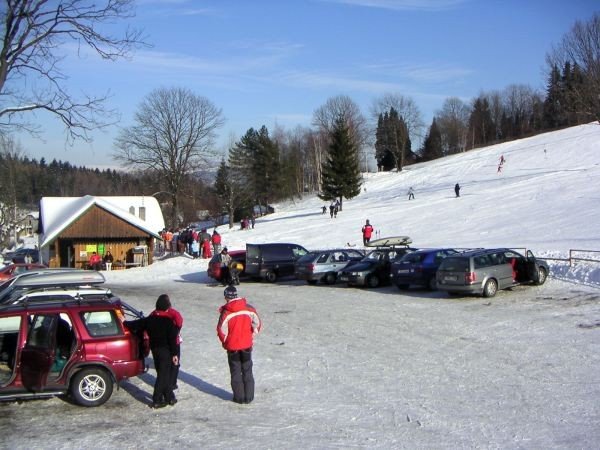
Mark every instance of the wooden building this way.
pixel 72 228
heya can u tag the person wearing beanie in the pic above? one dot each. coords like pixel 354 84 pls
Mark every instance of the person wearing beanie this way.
pixel 237 325
pixel 165 309
pixel 162 333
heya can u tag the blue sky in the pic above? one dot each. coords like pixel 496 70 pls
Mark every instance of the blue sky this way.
pixel 268 62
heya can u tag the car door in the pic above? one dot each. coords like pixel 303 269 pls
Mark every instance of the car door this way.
pixel 38 353
pixel 533 270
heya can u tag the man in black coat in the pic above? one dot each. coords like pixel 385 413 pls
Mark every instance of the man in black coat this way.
pixel 163 343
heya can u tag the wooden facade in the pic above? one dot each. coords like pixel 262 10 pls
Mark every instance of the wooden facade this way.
pixel 100 231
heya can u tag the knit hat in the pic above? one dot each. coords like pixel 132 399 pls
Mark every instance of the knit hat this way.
pixel 163 303
pixel 230 292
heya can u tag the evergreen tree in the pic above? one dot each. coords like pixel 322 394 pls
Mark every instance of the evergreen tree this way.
pixel 383 153
pixel 341 172
pixel 481 126
pixel 432 147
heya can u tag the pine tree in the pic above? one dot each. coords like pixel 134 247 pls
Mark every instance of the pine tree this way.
pixel 432 147
pixel 341 173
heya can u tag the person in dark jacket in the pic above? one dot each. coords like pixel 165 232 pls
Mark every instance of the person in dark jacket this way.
pixel 162 333
pixel 238 323
pixel 457 189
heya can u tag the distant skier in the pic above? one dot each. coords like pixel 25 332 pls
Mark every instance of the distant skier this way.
pixel 324 209
pixel 502 160
pixel 367 231
pixel 331 208
pixel 411 193
pixel 499 168
pixel 457 189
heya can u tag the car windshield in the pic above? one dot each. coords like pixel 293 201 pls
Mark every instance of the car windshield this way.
pixel 376 255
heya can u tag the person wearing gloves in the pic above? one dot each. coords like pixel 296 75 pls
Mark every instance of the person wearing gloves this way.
pixel 238 323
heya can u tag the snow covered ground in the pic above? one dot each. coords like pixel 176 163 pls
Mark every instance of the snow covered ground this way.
pixel 339 367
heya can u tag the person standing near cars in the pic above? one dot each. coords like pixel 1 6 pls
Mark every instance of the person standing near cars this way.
pixel 367 231
pixel 162 333
pixel 225 264
pixel 238 323
pixel 177 319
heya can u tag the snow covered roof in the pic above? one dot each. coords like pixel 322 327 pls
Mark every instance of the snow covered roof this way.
pixel 57 213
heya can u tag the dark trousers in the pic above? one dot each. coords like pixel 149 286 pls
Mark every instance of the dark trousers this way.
pixel 242 380
pixel 163 363
pixel 175 370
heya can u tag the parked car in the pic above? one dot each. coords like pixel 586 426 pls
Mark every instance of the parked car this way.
pixel 16 286
pixel 12 270
pixel 18 256
pixel 374 269
pixel 78 348
pixel 324 265
pixel 485 271
pixel 272 261
pixel 214 265
pixel 419 267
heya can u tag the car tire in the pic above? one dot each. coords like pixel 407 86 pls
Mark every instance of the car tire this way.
pixel 372 281
pixel 311 282
pixel 271 276
pixel 542 276
pixel 330 278
pixel 91 387
pixel 491 288
pixel 402 286
pixel 432 284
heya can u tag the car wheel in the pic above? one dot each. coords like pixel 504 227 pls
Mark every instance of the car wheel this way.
pixel 402 286
pixel 330 278
pixel 490 288
pixel 372 281
pixel 271 276
pixel 542 276
pixel 432 285
pixel 91 387
pixel 311 282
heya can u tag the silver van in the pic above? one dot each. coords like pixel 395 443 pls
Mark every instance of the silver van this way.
pixel 485 271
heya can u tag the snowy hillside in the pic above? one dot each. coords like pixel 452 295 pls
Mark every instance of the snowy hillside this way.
pixel 545 199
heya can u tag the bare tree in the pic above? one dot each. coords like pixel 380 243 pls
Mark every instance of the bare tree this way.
pixel 33 34
pixel 453 123
pixel 344 108
pixel 406 108
pixel 173 135
pixel 581 46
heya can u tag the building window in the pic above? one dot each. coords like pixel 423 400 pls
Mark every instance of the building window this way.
pixel 132 210
pixel 143 212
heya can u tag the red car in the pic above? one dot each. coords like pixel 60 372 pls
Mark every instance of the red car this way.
pixel 78 348
pixel 13 270
pixel 214 265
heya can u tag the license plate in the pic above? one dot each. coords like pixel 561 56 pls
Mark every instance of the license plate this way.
pixel 450 278
pixel 343 278
pixel 403 271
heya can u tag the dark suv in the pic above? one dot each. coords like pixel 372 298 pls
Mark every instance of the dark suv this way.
pixel 419 267
pixel 485 271
pixel 273 260
pixel 78 348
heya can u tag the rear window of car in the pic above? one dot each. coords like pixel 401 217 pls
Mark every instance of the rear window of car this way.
pixel 413 258
pixel 451 264
pixel 309 257
pixel 101 323
pixel 252 251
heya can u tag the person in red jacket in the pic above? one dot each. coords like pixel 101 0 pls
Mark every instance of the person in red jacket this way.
pixel 216 242
pixel 367 231
pixel 238 323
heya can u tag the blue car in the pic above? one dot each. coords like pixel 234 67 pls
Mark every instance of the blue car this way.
pixel 419 268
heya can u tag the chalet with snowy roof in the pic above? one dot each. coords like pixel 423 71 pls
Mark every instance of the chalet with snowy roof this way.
pixel 72 228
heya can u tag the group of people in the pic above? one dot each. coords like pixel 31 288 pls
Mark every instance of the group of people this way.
pixel 98 262
pixel 198 244
pixel 247 222
pixel 334 208
pixel 237 325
